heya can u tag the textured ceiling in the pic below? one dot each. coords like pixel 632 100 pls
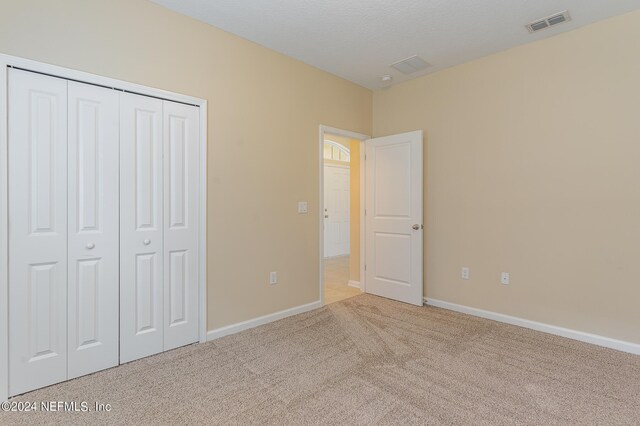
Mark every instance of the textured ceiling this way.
pixel 358 39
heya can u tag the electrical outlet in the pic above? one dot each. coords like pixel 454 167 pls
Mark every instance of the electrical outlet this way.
pixel 273 278
pixel 464 273
pixel 504 278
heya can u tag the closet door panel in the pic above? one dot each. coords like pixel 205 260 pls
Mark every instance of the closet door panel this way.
pixel 93 228
pixel 141 227
pixel 181 136
pixel 38 231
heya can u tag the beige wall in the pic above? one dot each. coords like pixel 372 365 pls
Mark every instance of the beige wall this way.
pixel 259 102
pixel 531 160
pixel 533 167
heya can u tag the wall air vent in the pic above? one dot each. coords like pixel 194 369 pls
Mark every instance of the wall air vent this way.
pixel 410 65
pixel 549 21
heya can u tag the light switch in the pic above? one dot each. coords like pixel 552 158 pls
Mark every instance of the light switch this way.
pixel 302 207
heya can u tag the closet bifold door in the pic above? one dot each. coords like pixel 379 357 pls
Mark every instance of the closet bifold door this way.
pixel 181 136
pixel 141 227
pixel 93 228
pixel 37 230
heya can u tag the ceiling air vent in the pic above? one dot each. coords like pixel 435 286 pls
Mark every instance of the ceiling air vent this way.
pixel 549 21
pixel 410 65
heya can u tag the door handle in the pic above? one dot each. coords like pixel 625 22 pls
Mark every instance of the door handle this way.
pixel 416 226
pixel 146 242
pixel 90 246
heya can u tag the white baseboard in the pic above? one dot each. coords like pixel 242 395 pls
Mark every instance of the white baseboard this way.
pixel 620 345
pixel 354 284
pixel 245 325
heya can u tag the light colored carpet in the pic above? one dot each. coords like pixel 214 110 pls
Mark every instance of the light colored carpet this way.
pixel 365 360
pixel 336 280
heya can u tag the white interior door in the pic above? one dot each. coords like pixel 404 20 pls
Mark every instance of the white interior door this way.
pixel 141 227
pixel 103 216
pixel 181 130
pixel 336 210
pixel 93 228
pixel 38 231
pixel 394 217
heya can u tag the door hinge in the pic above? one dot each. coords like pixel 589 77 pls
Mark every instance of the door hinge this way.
pixel 365 267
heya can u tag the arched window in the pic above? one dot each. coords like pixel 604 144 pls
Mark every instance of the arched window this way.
pixel 335 151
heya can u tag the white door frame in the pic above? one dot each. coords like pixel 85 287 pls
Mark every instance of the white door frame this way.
pixel 7 61
pixel 362 138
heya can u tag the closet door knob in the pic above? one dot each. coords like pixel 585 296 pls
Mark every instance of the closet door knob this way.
pixel 90 246
pixel 146 242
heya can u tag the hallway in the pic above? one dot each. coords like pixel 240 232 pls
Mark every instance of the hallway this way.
pixel 336 279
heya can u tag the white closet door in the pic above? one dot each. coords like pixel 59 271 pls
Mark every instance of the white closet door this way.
pixel 141 227
pixel 93 228
pixel 38 231
pixel 337 190
pixel 181 134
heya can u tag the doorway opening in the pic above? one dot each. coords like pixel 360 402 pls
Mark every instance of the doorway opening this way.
pixel 341 201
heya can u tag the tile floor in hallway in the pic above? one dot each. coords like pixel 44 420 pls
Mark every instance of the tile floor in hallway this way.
pixel 336 280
